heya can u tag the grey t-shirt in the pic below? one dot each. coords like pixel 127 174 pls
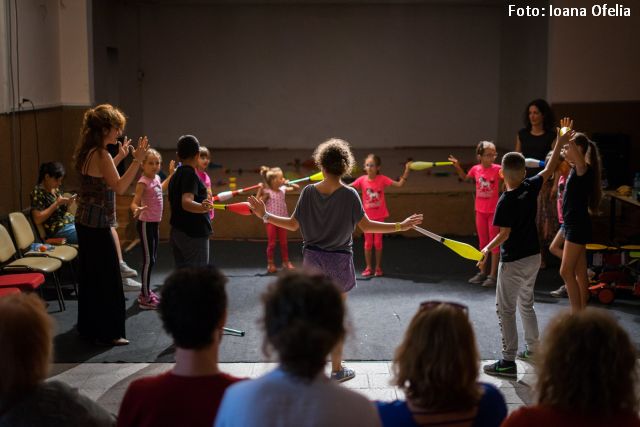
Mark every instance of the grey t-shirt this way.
pixel 55 404
pixel 328 221
pixel 278 399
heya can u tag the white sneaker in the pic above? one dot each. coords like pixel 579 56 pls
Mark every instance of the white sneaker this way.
pixel 131 285
pixel 126 271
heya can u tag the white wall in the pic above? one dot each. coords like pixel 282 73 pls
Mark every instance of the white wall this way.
pixel 291 76
pixel 595 59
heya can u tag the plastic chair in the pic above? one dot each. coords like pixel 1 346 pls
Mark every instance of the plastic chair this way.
pixel 8 291
pixel 44 265
pixel 23 233
pixel 23 281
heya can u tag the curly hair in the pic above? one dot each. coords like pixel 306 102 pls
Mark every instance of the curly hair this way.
pixel 303 321
pixel 587 365
pixel 192 306
pixel 549 118
pixel 26 333
pixel 94 123
pixel 335 156
pixel 436 365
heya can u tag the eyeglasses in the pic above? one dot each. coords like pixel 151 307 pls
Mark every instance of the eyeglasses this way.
pixel 428 305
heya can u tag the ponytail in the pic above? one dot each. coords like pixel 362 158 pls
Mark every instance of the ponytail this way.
pixel 592 158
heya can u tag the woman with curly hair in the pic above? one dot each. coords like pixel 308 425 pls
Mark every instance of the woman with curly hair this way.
pixel 327 214
pixel 587 375
pixel 436 366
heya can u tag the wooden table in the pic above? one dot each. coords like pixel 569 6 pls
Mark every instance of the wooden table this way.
pixel 614 197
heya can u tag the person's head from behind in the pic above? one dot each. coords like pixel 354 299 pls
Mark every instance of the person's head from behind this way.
pixel 188 148
pixel 513 169
pixel 334 157
pixel 372 165
pixel 273 177
pixel 486 153
pixel 587 365
pixel 303 321
pixel 193 307
pixel 50 174
pixel 26 334
pixel 101 126
pixel 539 113
pixel 436 365
pixel 204 158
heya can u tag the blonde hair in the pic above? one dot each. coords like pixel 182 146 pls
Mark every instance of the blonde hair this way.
pixel 334 155
pixel 587 365
pixel 94 123
pixel 152 152
pixel 269 174
pixel 204 152
pixel 483 145
pixel 436 365
pixel 26 332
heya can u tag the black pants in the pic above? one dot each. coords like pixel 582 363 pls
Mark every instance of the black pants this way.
pixel 149 236
pixel 101 308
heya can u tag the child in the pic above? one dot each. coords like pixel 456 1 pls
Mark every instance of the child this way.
pixel 519 256
pixel 190 206
pixel 327 213
pixel 274 197
pixel 557 244
pixel 487 177
pixel 147 208
pixel 582 196
pixel 372 185
pixel 203 163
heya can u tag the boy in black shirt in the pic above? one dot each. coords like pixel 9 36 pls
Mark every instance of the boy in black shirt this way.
pixel 190 224
pixel 519 255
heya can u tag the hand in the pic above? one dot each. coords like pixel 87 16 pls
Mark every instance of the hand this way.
pixel 412 220
pixel 568 123
pixel 62 201
pixel 141 150
pixel 407 167
pixel 257 206
pixel 124 148
pixel 484 252
pixel 172 167
pixel 207 205
pixel 137 211
pixel 453 160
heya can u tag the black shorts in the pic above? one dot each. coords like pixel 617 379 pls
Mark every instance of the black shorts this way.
pixel 579 234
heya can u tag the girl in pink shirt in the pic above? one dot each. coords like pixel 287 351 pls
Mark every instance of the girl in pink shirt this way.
pixel 375 206
pixel 273 194
pixel 486 175
pixel 147 207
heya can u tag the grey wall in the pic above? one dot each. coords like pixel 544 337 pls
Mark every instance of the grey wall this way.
pixel 293 75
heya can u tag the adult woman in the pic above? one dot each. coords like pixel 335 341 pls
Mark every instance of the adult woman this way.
pixel 26 399
pixel 535 140
pixel 48 205
pixel 101 311
pixel 587 375
pixel 436 366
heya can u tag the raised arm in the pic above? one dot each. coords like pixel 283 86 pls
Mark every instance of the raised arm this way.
pixel 167 180
pixel 456 164
pixel 108 170
pixel 561 140
pixel 403 178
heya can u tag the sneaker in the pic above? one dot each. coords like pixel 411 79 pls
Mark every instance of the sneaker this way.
pixel 367 272
pixel 344 374
pixel 287 265
pixel 501 368
pixel 561 292
pixel 527 356
pixel 149 303
pixel 131 285
pixel 478 278
pixel 489 282
pixel 271 268
pixel 126 271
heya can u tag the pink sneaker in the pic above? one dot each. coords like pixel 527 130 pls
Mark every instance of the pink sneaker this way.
pixel 367 272
pixel 149 303
pixel 379 272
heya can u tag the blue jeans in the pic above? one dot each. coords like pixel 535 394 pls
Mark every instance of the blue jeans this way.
pixel 69 233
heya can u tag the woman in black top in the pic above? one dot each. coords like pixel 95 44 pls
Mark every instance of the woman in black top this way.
pixel 582 196
pixel 535 140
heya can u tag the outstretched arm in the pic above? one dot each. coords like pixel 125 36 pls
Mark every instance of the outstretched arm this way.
pixel 456 164
pixel 403 178
pixel 259 209
pixel 369 226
